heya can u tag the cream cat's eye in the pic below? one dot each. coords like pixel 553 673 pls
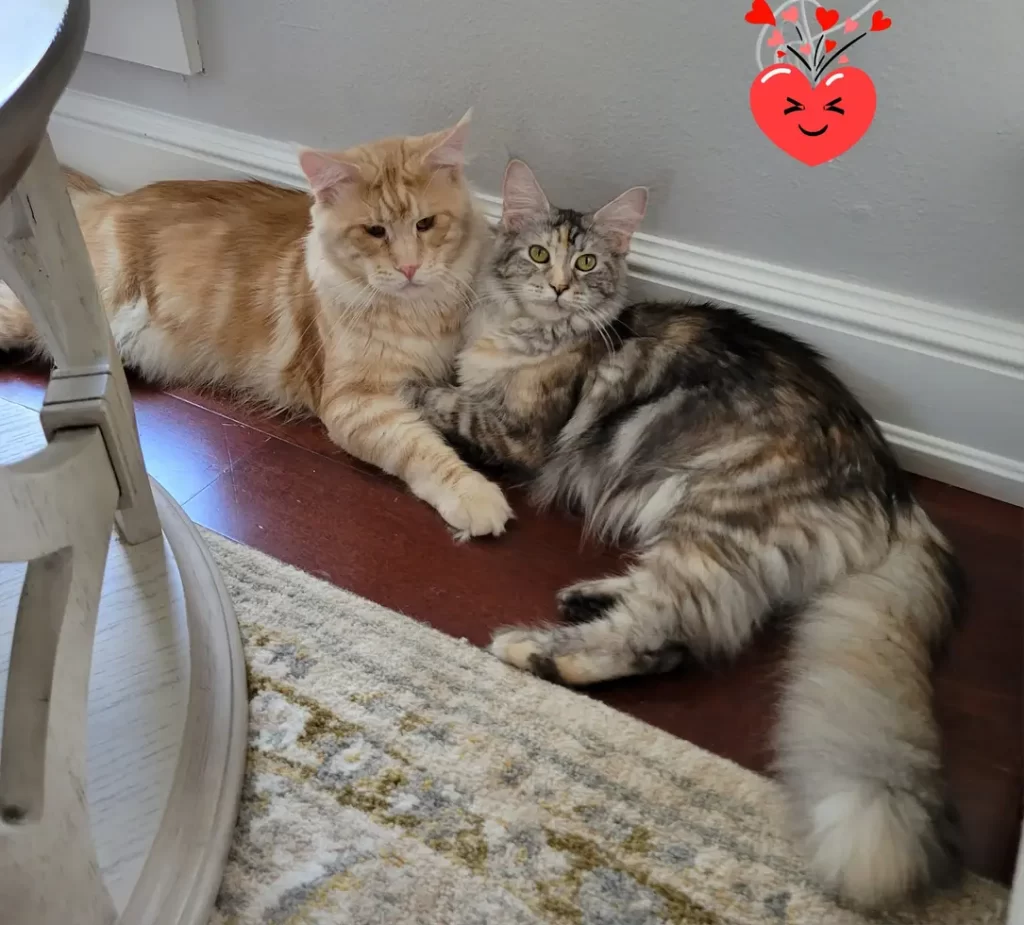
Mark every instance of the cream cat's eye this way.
pixel 539 254
pixel 586 262
pixel 375 231
pixel 425 224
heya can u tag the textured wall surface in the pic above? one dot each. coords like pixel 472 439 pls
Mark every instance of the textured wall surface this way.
pixel 598 96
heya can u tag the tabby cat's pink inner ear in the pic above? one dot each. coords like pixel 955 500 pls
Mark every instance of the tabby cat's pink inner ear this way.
pixel 522 199
pixel 623 215
pixel 450 150
pixel 325 173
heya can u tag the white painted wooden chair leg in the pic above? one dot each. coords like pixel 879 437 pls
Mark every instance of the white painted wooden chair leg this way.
pixel 1015 914
pixel 44 260
pixel 57 508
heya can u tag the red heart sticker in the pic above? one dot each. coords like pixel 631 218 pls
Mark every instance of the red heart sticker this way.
pixel 780 54
pixel 760 14
pixel 826 18
pixel 829 45
pixel 813 124
pixel 880 22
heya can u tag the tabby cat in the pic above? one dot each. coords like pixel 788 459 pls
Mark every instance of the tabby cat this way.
pixel 324 305
pixel 750 482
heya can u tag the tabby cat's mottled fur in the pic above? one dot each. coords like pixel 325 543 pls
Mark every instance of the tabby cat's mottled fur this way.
pixel 751 482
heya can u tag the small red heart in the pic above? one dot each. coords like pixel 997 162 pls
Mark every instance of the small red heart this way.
pixel 829 45
pixel 813 133
pixel 780 54
pixel 880 22
pixel 826 18
pixel 760 14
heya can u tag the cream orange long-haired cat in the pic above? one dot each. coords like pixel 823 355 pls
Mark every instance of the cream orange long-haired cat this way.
pixel 327 305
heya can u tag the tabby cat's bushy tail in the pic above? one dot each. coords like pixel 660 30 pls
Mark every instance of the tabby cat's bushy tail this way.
pixel 858 746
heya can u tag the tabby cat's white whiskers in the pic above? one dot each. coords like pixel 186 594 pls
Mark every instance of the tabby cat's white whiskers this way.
pixel 462 288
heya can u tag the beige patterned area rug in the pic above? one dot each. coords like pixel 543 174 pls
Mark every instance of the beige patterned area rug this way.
pixel 399 776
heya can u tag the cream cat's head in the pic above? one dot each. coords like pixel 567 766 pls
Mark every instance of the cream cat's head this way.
pixel 556 263
pixel 396 214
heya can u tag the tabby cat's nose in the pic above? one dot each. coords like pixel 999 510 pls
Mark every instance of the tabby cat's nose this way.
pixel 559 288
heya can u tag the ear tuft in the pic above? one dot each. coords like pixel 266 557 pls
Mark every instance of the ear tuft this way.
pixel 522 198
pixel 325 173
pixel 623 215
pixel 449 150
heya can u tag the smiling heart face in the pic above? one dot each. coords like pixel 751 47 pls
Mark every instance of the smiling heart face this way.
pixel 817 124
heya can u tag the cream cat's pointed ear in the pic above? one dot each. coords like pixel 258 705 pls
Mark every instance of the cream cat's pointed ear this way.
pixel 450 147
pixel 622 216
pixel 326 174
pixel 522 199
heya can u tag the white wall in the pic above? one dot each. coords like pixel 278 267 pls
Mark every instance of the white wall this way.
pixel 600 95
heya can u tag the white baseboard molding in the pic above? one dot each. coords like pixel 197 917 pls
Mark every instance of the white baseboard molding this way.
pixel 988 474
pixel 947 384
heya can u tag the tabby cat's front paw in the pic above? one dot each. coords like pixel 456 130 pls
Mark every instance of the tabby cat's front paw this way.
pixel 474 507
pixel 438 406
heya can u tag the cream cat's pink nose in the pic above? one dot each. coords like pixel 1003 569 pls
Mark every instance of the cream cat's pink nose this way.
pixel 409 270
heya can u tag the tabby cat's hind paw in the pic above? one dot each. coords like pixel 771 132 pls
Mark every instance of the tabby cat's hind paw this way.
pixel 577 654
pixel 527 649
pixel 563 654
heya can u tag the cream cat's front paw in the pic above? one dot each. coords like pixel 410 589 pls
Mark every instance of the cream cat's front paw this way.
pixel 473 507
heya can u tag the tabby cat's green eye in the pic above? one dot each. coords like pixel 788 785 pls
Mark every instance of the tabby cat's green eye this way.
pixel 586 262
pixel 539 254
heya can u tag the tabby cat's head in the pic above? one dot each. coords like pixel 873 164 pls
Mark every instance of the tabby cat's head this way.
pixel 558 262
pixel 395 214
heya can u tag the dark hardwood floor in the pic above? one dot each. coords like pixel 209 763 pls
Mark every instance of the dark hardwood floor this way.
pixel 283 488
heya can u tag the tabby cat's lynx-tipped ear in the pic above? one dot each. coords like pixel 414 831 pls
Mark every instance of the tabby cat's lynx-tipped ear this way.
pixel 449 149
pixel 325 173
pixel 622 216
pixel 522 198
